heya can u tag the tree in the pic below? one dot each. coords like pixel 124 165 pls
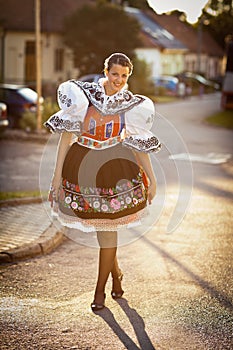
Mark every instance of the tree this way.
pixel 141 81
pixel 140 4
pixel 218 18
pixel 93 32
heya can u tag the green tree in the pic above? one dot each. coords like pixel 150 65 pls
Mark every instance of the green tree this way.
pixel 141 82
pixel 93 32
pixel 217 16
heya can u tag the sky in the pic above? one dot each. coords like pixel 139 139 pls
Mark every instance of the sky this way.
pixel 192 8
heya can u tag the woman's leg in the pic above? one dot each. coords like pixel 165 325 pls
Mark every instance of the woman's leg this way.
pixel 107 255
pixel 116 277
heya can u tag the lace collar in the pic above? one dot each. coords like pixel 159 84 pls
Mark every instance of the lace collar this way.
pixel 120 102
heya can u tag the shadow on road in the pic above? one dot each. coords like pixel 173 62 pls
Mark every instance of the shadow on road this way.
pixel 135 320
pixel 221 297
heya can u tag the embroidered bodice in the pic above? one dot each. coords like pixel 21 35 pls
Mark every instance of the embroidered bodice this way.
pixel 101 127
pixel 98 120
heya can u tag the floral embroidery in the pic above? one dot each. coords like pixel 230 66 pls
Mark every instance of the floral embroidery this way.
pixel 115 204
pixel 107 200
pixel 64 99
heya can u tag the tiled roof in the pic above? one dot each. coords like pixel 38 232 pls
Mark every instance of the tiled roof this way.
pixel 187 34
pixel 20 15
pixel 159 36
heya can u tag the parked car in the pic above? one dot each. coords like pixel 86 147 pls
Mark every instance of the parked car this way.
pixel 189 77
pixel 168 82
pixel 3 116
pixel 91 78
pixel 18 99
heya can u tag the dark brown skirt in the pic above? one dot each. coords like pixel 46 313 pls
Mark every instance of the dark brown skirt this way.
pixel 99 185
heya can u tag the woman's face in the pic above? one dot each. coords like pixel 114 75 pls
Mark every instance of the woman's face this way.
pixel 117 77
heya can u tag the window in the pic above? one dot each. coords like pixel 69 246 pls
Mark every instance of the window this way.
pixel 59 60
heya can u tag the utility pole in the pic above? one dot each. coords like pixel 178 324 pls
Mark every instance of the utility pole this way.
pixel 38 61
pixel 199 46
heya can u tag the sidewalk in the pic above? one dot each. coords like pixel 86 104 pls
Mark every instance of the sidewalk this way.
pixel 26 230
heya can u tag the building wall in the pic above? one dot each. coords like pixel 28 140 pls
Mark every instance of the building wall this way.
pixel 172 62
pixel 15 58
pixel 210 66
pixel 162 62
pixel 153 58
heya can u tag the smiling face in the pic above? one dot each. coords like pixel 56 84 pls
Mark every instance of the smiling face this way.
pixel 117 77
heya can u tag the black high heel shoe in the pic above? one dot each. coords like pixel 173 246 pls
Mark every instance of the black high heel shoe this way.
pixel 97 306
pixel 117 295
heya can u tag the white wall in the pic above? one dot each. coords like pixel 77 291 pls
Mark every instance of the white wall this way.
pixel 14 58
pixel 153 58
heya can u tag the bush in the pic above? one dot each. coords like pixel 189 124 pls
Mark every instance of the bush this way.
pixel 50 107
pixel 141 82
pixel 29 122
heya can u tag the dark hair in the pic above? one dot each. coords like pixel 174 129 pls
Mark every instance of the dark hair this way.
pixel 118 58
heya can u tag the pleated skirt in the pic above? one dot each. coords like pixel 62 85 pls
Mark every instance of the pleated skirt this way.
pixel 102 190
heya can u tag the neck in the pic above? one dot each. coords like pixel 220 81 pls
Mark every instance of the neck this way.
pixel 108 90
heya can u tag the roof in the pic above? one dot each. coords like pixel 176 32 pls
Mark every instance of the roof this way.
pixel 158 35
pixel 187 34
pixel 20 15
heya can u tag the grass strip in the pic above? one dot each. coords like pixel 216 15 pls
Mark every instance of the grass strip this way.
pixel 21 194
pixel 223 119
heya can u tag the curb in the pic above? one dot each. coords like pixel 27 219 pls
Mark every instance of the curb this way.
pixel 48 241
pixel 20 201
pixel 21 135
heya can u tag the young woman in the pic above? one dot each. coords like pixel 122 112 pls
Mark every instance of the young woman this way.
pixel 103 181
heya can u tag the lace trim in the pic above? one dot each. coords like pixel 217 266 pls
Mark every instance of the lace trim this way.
pixel 119 103
pixel 92 225
pixel 152 144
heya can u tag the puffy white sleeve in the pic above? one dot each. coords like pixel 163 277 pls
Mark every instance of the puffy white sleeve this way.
pixel 73 107
pixel 138 123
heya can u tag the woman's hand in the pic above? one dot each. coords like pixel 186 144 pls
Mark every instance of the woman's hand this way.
pixel 151 191
pixel 54 189
pixel 143 159
pixel 63 147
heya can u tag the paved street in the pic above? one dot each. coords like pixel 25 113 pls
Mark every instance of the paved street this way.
pixel 178 286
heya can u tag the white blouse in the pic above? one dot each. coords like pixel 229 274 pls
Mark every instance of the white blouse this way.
pixel 74 98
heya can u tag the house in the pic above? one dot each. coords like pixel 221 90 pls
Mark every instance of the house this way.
pixel 17 42
pixel 203 54
pixel 161 49
pixel 164 47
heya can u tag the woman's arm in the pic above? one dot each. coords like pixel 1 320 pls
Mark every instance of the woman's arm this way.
pixel 145 161
pixel 62 149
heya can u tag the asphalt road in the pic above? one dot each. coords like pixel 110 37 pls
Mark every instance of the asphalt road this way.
pixel 178 286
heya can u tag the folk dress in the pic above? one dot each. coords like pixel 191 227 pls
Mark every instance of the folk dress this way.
pixel 103 186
